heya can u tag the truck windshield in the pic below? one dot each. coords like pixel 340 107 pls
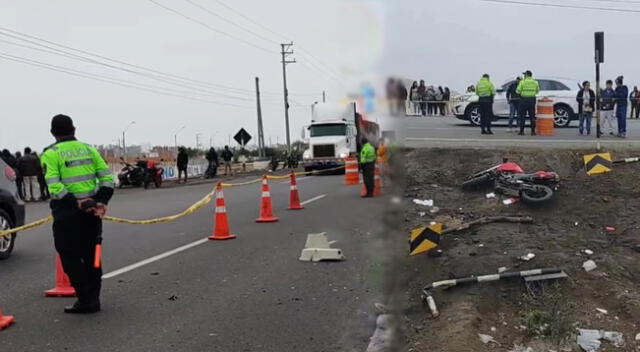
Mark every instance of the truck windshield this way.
pixel 328 130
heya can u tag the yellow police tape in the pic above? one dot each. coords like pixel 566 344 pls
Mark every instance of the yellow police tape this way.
pixel 197 205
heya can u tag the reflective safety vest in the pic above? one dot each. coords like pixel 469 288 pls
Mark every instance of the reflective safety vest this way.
pixel 367 154
pixel 383 156
pixel 528 88
pixel 76 168
pixel 485 88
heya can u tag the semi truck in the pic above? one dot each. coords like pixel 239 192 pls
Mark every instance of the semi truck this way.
pixel 335 133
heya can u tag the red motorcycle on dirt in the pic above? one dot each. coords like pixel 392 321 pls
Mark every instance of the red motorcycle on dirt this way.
pixel 510 180
pixel 152 173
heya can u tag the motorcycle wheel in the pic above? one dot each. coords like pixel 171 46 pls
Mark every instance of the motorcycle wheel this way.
pixel 540 195
pixel 476 182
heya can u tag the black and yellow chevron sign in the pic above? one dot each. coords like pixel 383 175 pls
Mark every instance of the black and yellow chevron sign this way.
pixel 598 163
pixel 424 239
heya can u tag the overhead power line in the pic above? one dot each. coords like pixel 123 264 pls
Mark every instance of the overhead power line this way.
pixel 110 80
pixel 592 8
pixel 213 13
pixel 213 29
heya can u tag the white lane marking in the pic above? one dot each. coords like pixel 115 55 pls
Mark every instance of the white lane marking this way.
pixel 538 140
pixel 177 250
pixel 154 259
pixel 297 179
pixel 313 199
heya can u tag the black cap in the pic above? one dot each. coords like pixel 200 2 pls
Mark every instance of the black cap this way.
pixel 527 73
pixel 619 79
pixel 62 125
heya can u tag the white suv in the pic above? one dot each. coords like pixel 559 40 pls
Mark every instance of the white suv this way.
pixel 562 91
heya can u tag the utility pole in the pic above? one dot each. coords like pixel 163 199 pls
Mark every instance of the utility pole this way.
pixel 324 97
pixel 124 144
pixel 599 58
pixel 286 51
pixel 197 140
pixel 260 130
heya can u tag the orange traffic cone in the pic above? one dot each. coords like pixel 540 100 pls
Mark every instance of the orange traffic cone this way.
pixel 63 286
pixel 351 174
pixel 221 223
pixel 266 211
pixel 294 198
pixel 5 320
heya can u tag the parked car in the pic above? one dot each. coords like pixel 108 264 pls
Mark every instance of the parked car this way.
pixel 562 91
pixel 11 208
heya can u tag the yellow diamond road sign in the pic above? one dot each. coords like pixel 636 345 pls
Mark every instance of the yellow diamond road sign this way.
pixel 424 239
pixel 598 163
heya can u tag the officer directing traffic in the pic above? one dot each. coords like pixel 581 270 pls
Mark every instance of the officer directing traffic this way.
pixel 368 166
pixel 485 91
pixel 81 185
pixel 528 89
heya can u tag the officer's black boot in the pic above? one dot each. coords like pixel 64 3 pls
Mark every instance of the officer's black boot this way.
pixel 88 302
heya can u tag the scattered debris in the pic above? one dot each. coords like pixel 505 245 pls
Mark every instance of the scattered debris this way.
pixel 487 339
pixel 603 311
pixel 589 265
pixel 434 210
pixel 488 220
pixel 493 329
pixel 426 202
pixel 638 337
pixel 428 298
pixel 527 257
pixel 490 195
pixel 502 269
pixel 610 229
pixel 173 298
pixel 422 213
pixel 319 248
pixel 519 348
pixel 155 273
pixel 510 201
pixel 577 223
pixel 588 252
pixel 383 336
pixel 589 339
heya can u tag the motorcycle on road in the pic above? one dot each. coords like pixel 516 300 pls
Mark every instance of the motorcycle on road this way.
pixel 130 175
pixel 509 179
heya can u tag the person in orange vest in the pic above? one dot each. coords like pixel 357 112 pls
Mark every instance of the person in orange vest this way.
pixel 383 156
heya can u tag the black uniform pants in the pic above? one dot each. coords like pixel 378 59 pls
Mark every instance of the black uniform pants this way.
pixel 486 114
pixel 368 174
pixel 527 107
pixel 75 236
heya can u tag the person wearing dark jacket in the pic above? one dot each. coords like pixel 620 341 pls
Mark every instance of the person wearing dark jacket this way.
pixel 212 158
pixel 30 168
pixel 182 163
pixel 607 104
pixel 586 105
pixel 513 98
pixel 633 99
pixel 422 93
pixel 622 92
pixel 414 96
pixel 402 99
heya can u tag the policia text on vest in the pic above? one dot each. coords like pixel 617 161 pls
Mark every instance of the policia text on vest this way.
pixel 81 185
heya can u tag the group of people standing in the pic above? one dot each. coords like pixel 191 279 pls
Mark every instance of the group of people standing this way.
pixel 521 96
pixel 612 105
pixel 419 99
pixel 29 174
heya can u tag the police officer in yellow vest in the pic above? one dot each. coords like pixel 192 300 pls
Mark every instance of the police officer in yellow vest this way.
pixel 368 166
pixel 81 185
pixel 528 89
pixel 485 91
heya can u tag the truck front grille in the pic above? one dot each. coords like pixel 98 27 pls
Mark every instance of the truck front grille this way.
pixel 324 150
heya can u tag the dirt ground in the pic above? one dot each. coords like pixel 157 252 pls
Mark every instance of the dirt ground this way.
pixel 542 316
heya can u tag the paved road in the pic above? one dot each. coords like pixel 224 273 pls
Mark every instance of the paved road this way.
pixel 247 294
pixel 449 131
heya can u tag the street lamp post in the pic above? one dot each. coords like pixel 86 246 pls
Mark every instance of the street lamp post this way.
pixel 175 137
pixel 124 144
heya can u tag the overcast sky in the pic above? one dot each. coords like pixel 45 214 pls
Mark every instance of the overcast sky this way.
pixel 450 43
pixel 338 34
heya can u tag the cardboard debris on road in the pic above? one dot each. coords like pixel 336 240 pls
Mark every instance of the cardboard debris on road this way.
pixel 318 248
pixel 589 265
